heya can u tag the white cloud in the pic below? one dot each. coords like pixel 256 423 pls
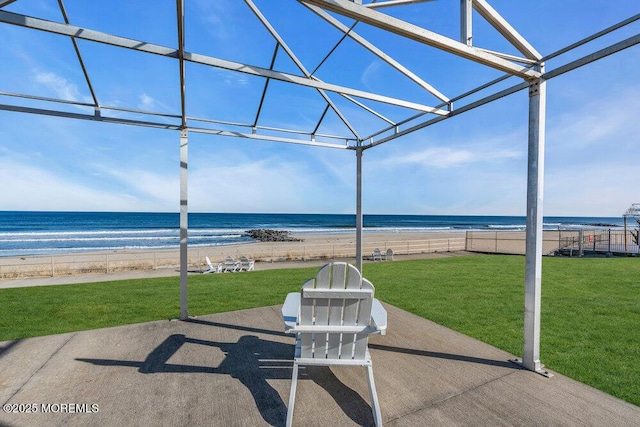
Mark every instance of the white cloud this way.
pixel 259 186
pixel 446 157
pixel 607 191
pixel 369 74
pixel 27 187
pixel 215 14
pixel 612 119
pixel 146 102
pixel 149 103
pixel 58 85
pixel 162 189
pixel 591 156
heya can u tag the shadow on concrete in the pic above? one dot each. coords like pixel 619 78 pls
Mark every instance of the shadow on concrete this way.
pixel 351 403
pixel 238 327
pixel 252 361
pixel 448 356
pixel 8 346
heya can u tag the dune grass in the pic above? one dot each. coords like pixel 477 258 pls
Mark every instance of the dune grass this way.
pixel 590 311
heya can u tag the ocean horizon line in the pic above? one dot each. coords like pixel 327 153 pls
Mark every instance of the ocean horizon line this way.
pixel 28 232
pixel 297 213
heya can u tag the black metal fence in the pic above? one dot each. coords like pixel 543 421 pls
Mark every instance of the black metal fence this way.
pixel 607 242
pixel 556 242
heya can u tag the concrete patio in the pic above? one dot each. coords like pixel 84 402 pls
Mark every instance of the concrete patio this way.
pixel 234 369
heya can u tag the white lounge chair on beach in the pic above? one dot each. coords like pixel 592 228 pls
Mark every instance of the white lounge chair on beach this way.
pixel 376 255
pixel 389 255
pixel 332 317
pixel 245 264
pixel 229 264
pixel 212 268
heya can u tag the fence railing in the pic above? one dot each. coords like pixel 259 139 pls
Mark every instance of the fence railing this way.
pixel 91 263
pixel 563 242
pixel 573 242
pixel 614 242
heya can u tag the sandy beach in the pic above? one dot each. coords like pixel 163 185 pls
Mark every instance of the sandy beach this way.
pixel 313 247
pixel 310 247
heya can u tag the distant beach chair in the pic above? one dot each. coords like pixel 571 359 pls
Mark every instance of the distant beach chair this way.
pixel 229 264
pixel 389 255
pixel 212 268
pixel 245 264
pixel 376 255
pixel 332 317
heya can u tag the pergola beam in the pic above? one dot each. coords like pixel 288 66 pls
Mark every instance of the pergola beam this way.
pixel 120 121
pixel 595 56
pixel 100 37
pixel 83 105
pixel 421 35
pixel 79 56
pixel 389 3
pixel 266 85
pixel 91 117
pixel 313 143
pixel 456 112
pixel 504 28
pixel 299 64
pixel 593 37
pixel 271 129
pixel 609 50
pixel 376 51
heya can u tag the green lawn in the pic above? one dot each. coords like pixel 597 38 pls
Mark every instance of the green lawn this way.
pixel 590 307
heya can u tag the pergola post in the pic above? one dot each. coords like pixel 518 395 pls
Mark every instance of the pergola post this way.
pixel 534 232
pixel 359 151
pixel 184 223
pixel 466 25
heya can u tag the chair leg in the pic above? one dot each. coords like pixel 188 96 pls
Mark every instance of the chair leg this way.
pixel 375 406
pixel 292 394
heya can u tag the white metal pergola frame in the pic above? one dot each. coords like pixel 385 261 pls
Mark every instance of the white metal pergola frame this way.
pixel 530 68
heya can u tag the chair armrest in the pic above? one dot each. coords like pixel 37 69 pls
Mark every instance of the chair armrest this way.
pixel 379 316
pixel 291 310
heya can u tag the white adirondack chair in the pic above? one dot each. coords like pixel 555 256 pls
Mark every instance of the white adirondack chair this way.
pixel 212 268
pixel 229 264
pixel 376 255
pixel 245 264
pixel 332 317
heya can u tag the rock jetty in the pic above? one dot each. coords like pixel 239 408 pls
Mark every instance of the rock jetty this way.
pixel 266 235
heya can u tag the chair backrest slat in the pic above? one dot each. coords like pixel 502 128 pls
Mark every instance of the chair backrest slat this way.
pixel 336 297
pixel 364 318
pixel 338 277
pixel 306 318
pixel 323 281
pixel 337 293
pixel 354 281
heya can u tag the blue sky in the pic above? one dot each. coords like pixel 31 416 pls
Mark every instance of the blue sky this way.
pixel 474 163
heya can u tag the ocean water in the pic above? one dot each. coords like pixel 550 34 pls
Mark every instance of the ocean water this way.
pixel 38 233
